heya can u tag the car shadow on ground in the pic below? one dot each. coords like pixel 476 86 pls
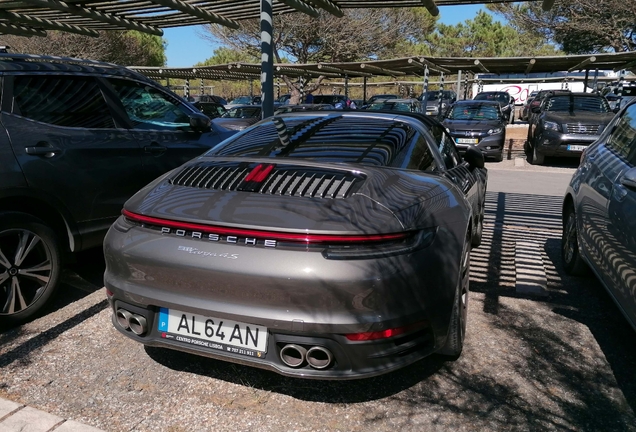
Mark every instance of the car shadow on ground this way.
pixel 546 372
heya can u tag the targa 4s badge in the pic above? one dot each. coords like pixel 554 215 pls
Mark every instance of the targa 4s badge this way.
pixel 195 251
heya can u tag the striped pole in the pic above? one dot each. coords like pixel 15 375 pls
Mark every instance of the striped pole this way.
pixel 465 86
pixel 440 95
pixel 425 88
pixel 595 82
pixel 619 91
pixel 302 89
pixel 202 88
pixel 267 59
pixel 187 88
pixel 277 87
pixel 459 81
pixel 346 77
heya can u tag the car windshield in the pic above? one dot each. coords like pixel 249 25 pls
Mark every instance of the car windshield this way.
pixel 243 112
pixel 502 98
pixel 328 99
pixel 394 106
pixel 567 103
pixel 241 100
pixel 473 112
pixel 434 95
pixel 333 138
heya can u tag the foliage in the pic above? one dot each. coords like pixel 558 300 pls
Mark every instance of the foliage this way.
pixel 578 26
pixel 361 34
pixel 121 47
pixel 484 37
pixel 224 55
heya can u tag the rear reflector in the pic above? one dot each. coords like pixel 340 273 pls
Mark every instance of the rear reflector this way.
pixel 385 334
pixel 268 235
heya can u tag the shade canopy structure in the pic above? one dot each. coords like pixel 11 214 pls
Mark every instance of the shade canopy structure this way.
pixel 35 17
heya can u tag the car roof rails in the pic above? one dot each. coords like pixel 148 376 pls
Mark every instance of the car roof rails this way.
pixel 55 59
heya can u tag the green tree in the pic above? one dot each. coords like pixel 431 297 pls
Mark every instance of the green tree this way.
pixel 360 35
pixel 483 37
pixel 129 48
pixel 578 26
pixel 224 55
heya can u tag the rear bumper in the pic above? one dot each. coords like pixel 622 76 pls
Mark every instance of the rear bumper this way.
pixel 300 296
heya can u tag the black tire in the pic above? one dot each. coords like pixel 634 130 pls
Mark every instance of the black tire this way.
pixel 537 158
pixel 30 265
pixel 572 261
pixel 457 329
pixel 475 241
pixel 500 157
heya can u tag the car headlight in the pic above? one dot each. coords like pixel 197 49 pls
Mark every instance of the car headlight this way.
pixel 495 131
pixel 551 126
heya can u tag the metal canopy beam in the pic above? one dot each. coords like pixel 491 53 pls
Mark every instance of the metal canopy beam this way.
pixel 481 66
pixel 423 62
pixel 530 65
pixel 301 6
pixel 96 15
pixel 329 7
pixel 431 7
pixel 47 24
pixel 340 71
pixel 19 30
pixel 198 12
pixel 584 63
pixel 381 70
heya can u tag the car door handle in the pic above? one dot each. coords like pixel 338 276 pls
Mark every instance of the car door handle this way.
pixel 42 151
pixel 156 150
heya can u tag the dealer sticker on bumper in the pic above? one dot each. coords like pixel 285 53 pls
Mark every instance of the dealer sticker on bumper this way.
pixel 576 147
pixel 214 333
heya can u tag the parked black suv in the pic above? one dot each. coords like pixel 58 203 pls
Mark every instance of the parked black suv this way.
pixel 77 139
pixel 565 124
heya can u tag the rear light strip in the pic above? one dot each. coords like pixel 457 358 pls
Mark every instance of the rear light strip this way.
pixel 385 334
pixel 270 235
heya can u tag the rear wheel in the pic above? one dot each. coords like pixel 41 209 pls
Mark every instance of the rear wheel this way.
pixel 572 260
pixel 479 228
pixel 29 267
pixel 537 158
pixel 457 329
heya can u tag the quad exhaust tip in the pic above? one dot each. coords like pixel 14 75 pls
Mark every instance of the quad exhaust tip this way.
pixel 133 322
pixel 295 356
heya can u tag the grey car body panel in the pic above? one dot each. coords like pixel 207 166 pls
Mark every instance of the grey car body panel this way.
pixel 297 291
pixel 605 220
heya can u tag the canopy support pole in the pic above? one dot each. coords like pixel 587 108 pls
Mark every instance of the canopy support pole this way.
pixel 267 58
pixel 364 90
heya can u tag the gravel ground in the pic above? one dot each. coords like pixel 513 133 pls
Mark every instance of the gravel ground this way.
pixel 561 362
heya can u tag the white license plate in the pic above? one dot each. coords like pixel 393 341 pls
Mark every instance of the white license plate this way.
pixel 576 147
pixel 214 333
pixel 466 140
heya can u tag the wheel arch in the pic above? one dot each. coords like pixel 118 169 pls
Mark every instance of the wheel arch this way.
pixel 47 213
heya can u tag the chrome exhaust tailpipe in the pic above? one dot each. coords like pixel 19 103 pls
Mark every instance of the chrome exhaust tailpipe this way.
pixel 123 318
pixel 293 355
pixel 137 324
pixel 319 357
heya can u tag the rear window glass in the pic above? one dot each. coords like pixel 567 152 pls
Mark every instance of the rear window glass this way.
pixel 334 138
pixel 61 100
pixel 577 103
pixel 502 98
pixel 474 112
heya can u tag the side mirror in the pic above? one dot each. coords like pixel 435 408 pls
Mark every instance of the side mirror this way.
pixel 474 158
pixel 629 179
pixel 199 122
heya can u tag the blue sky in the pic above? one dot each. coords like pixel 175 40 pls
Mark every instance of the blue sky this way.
pixel 186 47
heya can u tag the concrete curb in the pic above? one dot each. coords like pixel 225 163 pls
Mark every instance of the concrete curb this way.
pixel 15 417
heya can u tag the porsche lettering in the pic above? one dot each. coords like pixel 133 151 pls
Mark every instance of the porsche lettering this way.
pixel 219 238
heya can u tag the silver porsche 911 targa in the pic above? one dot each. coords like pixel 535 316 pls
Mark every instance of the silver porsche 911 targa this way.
pixel 327 245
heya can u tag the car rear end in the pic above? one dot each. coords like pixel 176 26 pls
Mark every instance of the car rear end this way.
pixel 306 268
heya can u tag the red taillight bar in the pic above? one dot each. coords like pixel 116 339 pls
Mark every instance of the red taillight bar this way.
pixel 385 334
pixel 270 235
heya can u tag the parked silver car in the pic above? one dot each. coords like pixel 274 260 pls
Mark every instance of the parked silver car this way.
pixel 599 213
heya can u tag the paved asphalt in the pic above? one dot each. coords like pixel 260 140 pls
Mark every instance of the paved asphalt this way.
pixel 557 356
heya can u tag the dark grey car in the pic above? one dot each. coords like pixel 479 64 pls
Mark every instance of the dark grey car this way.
pixel 77 139
pixel 478 124
pixel 318 245
pixel 599 213
pixel 566 124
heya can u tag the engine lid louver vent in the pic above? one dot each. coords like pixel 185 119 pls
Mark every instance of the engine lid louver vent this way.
pixel 286 180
